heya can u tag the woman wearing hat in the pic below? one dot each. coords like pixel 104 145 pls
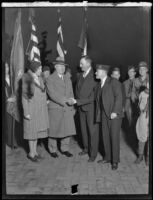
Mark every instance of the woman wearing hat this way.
pixel 61 115
pixel 35 108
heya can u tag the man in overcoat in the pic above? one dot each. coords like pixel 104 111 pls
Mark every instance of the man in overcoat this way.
pixel 61 115
pixel 85 100
pixel 109 111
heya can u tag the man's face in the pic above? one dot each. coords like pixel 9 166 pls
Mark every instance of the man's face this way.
pixel 116 74
pixel 60 69
pixel 131 73
pixel 143 71
pixel 84 65
pixel 100 73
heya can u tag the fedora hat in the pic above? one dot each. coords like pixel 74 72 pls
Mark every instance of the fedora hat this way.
pixel 60 60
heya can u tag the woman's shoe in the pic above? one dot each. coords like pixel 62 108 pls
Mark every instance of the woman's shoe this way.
pixel 33 159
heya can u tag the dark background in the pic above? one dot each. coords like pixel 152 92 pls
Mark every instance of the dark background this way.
pixel 117 36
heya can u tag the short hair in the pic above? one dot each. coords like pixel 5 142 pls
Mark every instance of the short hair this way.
pixel 116 69
pixel 131 67
pixel 87 58
pixel 46 68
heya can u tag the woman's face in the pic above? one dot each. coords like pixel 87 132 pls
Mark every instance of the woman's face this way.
pixel 39 71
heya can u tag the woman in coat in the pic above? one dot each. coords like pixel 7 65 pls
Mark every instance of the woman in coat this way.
pixel 61 115
pixel 35 109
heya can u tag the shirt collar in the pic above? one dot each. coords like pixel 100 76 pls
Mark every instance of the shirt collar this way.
pixel 104 79
pixel 86 73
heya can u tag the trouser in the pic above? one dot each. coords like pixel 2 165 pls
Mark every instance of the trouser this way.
pixel 52 144
pixel 141 147
pixel 128 110
pixel 90 134
pixel 111 138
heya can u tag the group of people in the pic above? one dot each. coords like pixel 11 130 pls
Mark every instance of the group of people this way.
pixel 50 103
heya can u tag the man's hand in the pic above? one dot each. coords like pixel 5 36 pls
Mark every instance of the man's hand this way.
pixel 71 101
pixel 113 115
pixel 28 117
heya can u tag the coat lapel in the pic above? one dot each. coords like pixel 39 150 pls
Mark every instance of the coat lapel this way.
pixel 104 89
pixel 86 80
pixel 58 80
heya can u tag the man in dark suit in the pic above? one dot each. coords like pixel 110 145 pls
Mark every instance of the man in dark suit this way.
pixel 85 101
pixel 109 111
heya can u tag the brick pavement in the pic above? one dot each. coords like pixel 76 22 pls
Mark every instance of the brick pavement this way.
pixel 56 176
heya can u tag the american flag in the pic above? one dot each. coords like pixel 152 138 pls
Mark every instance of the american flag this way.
pixel 60 42
pixel 32 50
pixel 83 37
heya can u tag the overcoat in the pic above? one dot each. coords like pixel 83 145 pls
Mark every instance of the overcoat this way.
pixel 34 104
pixel 61 116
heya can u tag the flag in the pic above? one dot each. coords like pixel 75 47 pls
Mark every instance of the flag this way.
pixel 60 42
pixel 17 55
pixel 16 64
pixel 83 37
pixel 32 50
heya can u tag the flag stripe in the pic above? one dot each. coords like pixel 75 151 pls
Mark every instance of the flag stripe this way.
pixel 60 42
pixel 33 51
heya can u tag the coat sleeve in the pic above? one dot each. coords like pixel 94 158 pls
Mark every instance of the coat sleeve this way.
pixel 53 94
pixel 25 99
pixel 118 97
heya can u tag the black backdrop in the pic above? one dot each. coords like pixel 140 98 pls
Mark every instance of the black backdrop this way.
pixel 117 36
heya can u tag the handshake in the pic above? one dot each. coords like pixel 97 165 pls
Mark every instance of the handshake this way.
pixel 71 101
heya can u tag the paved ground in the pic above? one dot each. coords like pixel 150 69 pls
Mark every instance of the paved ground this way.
pixel 56 176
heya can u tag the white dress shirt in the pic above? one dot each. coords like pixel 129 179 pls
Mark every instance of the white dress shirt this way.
pixel 103 81
pixel 86 73
pixel 61 76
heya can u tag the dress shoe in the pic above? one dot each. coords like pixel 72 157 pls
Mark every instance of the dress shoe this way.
pixel 83 153
pixel 39 157
pixel 103 161
pixel 139 159
pixel 114 166
pixel 54 154
pixel 91 159
pixel 67 153
pixel 33 159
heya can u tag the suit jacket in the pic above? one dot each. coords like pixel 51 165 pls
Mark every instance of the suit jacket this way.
pixel 85 91
pixel 111 97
